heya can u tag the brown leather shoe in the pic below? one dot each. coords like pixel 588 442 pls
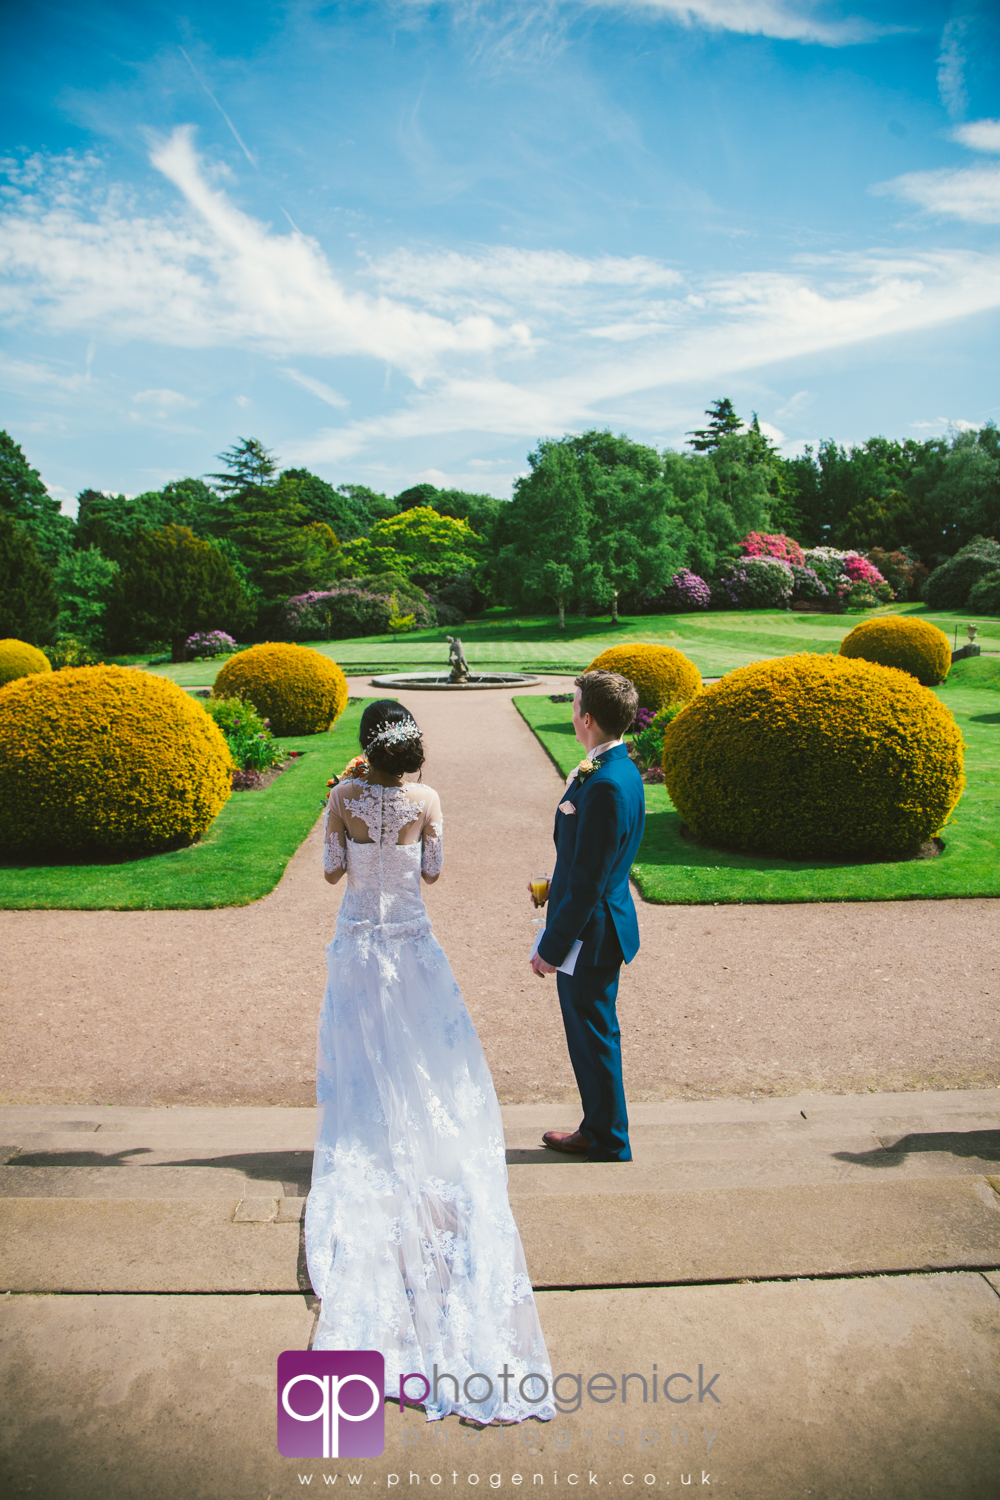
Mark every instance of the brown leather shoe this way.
pixel 573 1142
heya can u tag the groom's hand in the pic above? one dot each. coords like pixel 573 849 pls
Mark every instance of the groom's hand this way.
pixel 540 967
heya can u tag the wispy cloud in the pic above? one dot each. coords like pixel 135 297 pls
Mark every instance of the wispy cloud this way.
pixel 951 67
pixel 969 193
pixel 979 135
pixel 164 400
pixel 785 20
pixel 15 374
pixel 214 276
pixel 736 324
pixel 509 30
pixel 495 340
pixel 317 387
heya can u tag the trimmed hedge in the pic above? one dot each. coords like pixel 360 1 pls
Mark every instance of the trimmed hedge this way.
pixel 106 759
pixel 299 690
pixel 914 646
pixel 661 674
pixel 809 755
pixel 19 659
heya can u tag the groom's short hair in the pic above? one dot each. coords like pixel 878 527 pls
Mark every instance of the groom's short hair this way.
pixel 610 699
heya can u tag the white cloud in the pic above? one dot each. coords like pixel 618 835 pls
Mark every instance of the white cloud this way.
pixel 979 135
pixel 243 400
pixel 162 402
pixel 784 20
pixel 512 30
pixel 969 193
pixel 739 323
pixel 15 374
pixel 972 193
pixel 774 433
pixel 951 66
pixel 795 404
pixel 317 387
pixel 214 276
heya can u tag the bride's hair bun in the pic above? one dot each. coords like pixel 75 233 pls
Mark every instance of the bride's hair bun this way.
pixel 390 738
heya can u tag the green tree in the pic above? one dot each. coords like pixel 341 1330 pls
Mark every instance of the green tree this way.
pixel 373 503
pixel 544 536
pixel 28 605
pixel 636 546
pixel 426 546
pixel 110 522
pixel 723 422
pixel 348 517
pixel 172 585
pixel 83 582
pixel 281 548
pixel 24 498
pixel 967 495
pixel 249 466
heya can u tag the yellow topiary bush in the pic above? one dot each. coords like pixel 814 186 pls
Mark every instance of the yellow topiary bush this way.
pixel 809 755
pixel 661 675
pixel 299 690
pixel 18 659
pixel 914 646
pixel 106 758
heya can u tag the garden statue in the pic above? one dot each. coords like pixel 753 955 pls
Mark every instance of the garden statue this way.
pixel 456 659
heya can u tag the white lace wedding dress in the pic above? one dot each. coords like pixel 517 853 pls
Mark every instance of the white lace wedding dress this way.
pixel 410 1240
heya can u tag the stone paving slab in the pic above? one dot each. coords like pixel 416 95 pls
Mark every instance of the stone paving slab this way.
pixel 146 1245
pixel 129 1182
pixel 887 1386
pixel 586 1238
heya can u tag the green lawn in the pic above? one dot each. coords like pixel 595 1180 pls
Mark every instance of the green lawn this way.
pixel 670 869
pixel 241 857
pixel 715 641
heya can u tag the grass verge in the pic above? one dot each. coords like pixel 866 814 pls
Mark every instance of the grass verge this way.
pixel 241 857
pixel 671 870
pixel 501 640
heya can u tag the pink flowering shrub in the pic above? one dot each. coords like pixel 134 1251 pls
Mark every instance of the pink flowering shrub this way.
pixel 773 544
pixel 860 570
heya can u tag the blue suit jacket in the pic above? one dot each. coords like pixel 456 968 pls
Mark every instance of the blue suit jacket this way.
pixel 589 897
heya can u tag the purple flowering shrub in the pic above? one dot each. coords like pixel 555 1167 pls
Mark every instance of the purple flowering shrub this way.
pixel 336 614
pixel 687 591
pixel 755 583
pixel 206 643
pixel 807 584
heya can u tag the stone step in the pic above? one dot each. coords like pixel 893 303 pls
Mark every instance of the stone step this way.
pixel 583 1238
pixel 133 1182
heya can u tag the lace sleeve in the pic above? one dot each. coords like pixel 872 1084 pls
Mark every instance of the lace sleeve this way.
pixel 432 853
pixel 334 838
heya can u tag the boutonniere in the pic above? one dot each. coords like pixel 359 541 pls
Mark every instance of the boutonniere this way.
pixel 587 768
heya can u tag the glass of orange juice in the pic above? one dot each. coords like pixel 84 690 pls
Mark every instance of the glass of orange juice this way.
pixel 540 889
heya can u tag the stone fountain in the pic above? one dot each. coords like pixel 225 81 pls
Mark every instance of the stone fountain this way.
pixel 458 678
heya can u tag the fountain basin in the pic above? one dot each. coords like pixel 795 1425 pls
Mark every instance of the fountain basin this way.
pixel 441 681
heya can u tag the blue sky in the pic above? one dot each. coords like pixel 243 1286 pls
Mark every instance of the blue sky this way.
pixel 405 241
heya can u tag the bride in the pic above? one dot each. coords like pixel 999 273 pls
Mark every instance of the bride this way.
pixel 410 1240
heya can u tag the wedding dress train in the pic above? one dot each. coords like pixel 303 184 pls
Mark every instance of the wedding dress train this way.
pixel 410 1240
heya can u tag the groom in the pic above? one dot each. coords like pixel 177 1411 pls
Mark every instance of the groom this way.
pixel 598 827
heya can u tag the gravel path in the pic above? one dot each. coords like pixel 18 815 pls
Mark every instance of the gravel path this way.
pixel 219 1007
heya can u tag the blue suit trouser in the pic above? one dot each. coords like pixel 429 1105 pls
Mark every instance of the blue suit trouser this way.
pixel 588 999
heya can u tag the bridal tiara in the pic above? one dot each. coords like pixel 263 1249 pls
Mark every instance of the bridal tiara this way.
pixel 394 733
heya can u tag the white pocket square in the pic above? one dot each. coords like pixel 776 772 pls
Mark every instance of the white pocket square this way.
pixel 567 808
